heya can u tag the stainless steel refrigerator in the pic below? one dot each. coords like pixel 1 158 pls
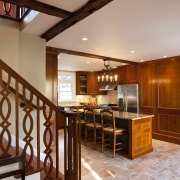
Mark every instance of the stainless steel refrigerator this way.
pixel 128 98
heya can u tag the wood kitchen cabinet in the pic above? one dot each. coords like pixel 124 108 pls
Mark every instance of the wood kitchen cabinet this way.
pixel 147 87
pixel 92 83
pixel 93 86
pixel 81 83
pixel 86 83
pixel 128 74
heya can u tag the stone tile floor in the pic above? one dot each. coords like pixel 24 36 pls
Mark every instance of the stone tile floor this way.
pixel 161 164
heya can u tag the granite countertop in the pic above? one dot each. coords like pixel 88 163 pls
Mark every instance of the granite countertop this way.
pixel 117 114
pixel 131 116
pixel 128 115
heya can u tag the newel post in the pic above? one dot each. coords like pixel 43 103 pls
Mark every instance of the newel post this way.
pixel 72 146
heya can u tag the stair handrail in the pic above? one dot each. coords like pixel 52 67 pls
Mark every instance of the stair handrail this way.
pixel 50 111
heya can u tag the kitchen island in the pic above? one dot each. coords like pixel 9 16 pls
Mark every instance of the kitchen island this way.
pixel 139 132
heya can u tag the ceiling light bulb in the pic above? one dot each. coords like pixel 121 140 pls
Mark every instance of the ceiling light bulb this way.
pixel 142 60
pixel 84 38
pixel 132 51
pixel 164 56
pixel 87 62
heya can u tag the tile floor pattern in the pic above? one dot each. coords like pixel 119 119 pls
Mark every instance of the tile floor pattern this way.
pixel 162 164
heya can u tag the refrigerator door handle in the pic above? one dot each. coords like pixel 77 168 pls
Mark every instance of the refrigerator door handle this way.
pixel 125 100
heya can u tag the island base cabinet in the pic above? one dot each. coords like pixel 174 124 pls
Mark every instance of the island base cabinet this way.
pixel 140 137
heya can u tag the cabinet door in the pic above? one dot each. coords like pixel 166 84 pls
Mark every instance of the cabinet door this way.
pixel 147 85
pixel 81 83
pixel 92 83
pixel 128 74
pixel 133 73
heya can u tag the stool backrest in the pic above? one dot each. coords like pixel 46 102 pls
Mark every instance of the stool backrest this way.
pixel 107 119
pixel 89 115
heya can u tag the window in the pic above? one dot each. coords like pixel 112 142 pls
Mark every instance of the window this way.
pixel 66 86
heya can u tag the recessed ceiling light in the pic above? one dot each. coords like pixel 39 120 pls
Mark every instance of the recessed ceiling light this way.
pixel 87 62
pixel 142 60
pixel 164 56
pixel 132 51
pixel 84 38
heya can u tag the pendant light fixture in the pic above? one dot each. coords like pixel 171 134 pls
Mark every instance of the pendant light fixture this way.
pixel 108 80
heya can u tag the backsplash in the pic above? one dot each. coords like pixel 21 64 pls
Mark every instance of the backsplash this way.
pixel 111 97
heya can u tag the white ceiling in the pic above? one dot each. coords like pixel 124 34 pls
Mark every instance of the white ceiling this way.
pixel 149 27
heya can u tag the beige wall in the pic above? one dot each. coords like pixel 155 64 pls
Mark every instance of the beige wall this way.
pixel 26 54
pixel 32 60
pixel 9 46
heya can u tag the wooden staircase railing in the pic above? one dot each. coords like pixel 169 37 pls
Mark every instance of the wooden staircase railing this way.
pixel 12 11
pixel 28 121
pixel 72 146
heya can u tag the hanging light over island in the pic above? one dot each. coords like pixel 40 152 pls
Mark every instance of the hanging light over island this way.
pixel 108 80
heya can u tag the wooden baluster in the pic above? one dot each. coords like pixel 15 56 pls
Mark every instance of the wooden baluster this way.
pixel 28 122
pixel 72 146
pixel 7 8
pixel 5 111
pixel 48 141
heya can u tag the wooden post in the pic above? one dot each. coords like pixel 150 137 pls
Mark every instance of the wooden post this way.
pixel 72 146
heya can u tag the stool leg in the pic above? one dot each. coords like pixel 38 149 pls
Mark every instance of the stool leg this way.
pixel 102 146
pixel 94 138
pixel 85 139
pixel 114 145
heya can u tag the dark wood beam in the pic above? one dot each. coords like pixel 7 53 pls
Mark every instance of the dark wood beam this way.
pixel 77 53
pixel 86 10
pixel 41 7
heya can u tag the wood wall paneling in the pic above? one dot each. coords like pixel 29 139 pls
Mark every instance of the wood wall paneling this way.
pixel 160 95
pixel 147 91
pixel 147 85
pixel 168 75
pixel 169 124
pixel 51 76
pixel 128 74
pixel 133 73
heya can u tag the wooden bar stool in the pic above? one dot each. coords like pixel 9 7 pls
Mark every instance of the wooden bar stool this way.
pixel 110 133
pixel 91 126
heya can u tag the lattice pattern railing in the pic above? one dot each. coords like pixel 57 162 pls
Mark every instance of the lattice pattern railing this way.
pixel 12 11
pixel 27 122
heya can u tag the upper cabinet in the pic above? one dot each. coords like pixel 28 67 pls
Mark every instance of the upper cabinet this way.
pixel 92 83
pixel 93 86
pixel 128 74
pixel 147 87
pixel 86 83
pixel 81 83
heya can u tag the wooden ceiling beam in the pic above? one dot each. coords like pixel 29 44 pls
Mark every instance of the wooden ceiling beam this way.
pixel 86 10
pixel 41 7
pixel 77 53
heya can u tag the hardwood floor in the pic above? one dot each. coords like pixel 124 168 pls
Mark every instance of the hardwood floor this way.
pixel 162 164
